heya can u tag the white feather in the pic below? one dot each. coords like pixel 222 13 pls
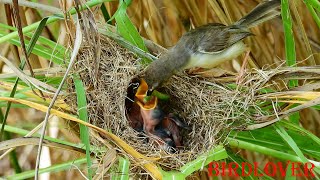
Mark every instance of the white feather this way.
pixel 206 60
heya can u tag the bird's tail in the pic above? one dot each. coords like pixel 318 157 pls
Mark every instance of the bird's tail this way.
pixel 261 13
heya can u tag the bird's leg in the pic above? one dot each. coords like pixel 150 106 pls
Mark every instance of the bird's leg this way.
pixel 243 68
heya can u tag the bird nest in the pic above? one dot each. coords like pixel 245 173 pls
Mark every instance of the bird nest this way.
pixel 211 110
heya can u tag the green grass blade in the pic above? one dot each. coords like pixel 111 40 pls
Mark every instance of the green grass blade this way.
pixel 263 150
pixel 123 173
pixel 239 160
pixel 83 115
pixel 314 14
pixel 51 19
pixel 269 138
pixel 289 173
pixel 300 130
pixel 21 66
pixel 36 35
pixel 215 154
pixel 126 44
pixel 13 155
pixel 24 132
pixel 127 30
pixel 314 3
pixel 56 55
pixel 105 13
pixel 285 136
pixel 289 38
pixel 53 45
pixel 51 169
pixel 289 47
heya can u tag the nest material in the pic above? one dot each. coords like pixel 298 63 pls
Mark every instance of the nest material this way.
pixel 211 112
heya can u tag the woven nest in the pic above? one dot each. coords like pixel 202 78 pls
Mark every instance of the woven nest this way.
pixel 210 110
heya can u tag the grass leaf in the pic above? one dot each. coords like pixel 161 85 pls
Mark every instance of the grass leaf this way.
pixel 21 66
pixel 126 29
pixel 215 154
pixel 314 14
pixel 289 47
pixel 314 3
pixel 123 169
pixel 83 115
pixel 55 168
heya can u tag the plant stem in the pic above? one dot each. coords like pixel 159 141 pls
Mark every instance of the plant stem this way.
pixel 51 19
pixel 263 150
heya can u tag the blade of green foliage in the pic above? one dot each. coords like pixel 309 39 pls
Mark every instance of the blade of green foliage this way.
pixel 289 47
pixel 53 81
pixel 299 129
pixel 267 151
pixel 127 30
pixel 262 149
pixel 287 138
pixel 42 40
pixel 51 44
pixel 4 105
pixel 215 154
pixel 239 160
pixel 83 115
pixel 41 51
pixel 123 169
pixel 268 137
pixel 21 66
pixel 126 44
pixel 13 155
pixel 46 48
pixel 288 34
pixel 105 13
pixel 173 175
pixel 313 13
pixel 51 19
pixel 36 35
pixel 317 107
pixel 314 3
pixel 52 169
pixel 267 141
pixel 289 173
pixel 24 132
pixel 20 94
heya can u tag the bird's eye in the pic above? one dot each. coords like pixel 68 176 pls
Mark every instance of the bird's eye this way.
pixel 135 85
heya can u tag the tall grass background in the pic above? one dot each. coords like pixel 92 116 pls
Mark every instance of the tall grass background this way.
pixel 49 47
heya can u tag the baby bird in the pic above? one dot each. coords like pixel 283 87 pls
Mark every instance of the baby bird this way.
pixel 171 124
pixel 151 118
pixel 164 141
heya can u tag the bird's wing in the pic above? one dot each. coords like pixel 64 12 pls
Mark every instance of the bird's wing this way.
pixel 219 37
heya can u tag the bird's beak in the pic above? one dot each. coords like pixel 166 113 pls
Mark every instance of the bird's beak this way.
pixel 149 105
pixel 142 95
pixel 142 90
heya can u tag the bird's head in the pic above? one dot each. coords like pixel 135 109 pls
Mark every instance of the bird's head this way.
pixel 152 87
pixel 164 141
pixel 152 80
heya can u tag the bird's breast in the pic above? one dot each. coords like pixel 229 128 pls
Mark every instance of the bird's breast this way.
pixel 210 60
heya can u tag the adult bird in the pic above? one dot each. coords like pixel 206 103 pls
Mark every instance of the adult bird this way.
pixel 209 45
